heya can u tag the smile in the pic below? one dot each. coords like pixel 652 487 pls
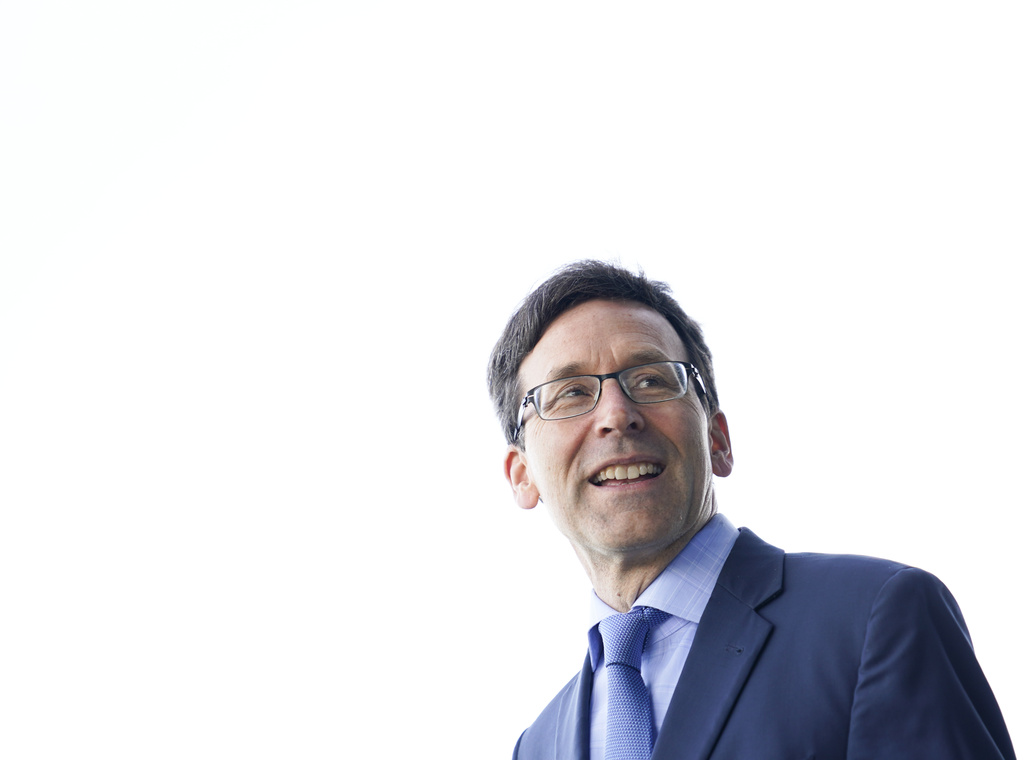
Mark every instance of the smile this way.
pixel 626 472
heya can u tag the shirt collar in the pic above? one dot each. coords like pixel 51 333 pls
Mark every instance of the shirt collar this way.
pixel 684 587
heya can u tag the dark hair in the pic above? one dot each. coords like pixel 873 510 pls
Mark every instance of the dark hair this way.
pixel 570 286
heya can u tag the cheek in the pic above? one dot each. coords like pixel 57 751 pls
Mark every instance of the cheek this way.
pixel 554 469
pixel 555 448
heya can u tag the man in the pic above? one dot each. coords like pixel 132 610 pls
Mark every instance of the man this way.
pixel 707 642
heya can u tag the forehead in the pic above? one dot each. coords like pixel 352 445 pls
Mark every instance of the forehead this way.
pixel 601 336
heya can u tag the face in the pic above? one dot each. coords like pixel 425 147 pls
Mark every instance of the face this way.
pixel 563 461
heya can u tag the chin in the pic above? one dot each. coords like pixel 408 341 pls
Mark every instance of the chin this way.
pixel 653 538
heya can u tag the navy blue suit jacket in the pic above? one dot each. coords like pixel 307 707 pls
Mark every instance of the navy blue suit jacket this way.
pixel 802 656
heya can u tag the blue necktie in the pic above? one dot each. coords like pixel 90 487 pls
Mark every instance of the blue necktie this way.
pixel 630 723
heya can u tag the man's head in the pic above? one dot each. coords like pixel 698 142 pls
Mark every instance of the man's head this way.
pixel 628 475
pixel 571 286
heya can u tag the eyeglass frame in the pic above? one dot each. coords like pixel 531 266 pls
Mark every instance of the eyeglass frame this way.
pixel 530 394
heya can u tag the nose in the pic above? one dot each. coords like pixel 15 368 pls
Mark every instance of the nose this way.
pixel 616 412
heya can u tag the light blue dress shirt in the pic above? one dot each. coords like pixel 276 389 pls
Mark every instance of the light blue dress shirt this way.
pixel 682 590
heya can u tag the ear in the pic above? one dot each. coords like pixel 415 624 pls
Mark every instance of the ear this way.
pixel 518 475
pixel 721 446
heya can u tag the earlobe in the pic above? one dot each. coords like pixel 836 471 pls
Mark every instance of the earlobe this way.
pixel 721 446
pixel 517 474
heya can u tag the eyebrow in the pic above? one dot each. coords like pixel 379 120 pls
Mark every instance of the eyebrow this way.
pixel 644 356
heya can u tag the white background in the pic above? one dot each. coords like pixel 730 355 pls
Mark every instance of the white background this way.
pixel 253 257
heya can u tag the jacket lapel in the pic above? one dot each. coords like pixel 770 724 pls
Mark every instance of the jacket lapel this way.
pixel 728 641
pixel 572 739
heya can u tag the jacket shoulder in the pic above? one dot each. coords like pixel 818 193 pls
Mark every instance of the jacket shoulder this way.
pixel 758 573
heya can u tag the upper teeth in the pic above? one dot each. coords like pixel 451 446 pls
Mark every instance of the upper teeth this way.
pixel 626 472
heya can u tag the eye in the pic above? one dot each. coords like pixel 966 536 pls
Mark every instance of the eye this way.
pixel 649 381
pixel 575 390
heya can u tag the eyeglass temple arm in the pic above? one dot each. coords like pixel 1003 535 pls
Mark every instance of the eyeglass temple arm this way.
pixel 699 379
pixel 519 418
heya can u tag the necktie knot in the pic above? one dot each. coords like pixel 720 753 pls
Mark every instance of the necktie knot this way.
pixel 625 635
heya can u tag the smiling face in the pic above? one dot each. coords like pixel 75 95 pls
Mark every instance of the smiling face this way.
pixel 626 482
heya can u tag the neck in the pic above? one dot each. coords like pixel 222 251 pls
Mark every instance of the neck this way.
pixel 619 578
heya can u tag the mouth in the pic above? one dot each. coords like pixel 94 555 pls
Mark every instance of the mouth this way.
pixel 626 473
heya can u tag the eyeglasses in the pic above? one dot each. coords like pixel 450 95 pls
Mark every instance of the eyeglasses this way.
pixel 643 384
